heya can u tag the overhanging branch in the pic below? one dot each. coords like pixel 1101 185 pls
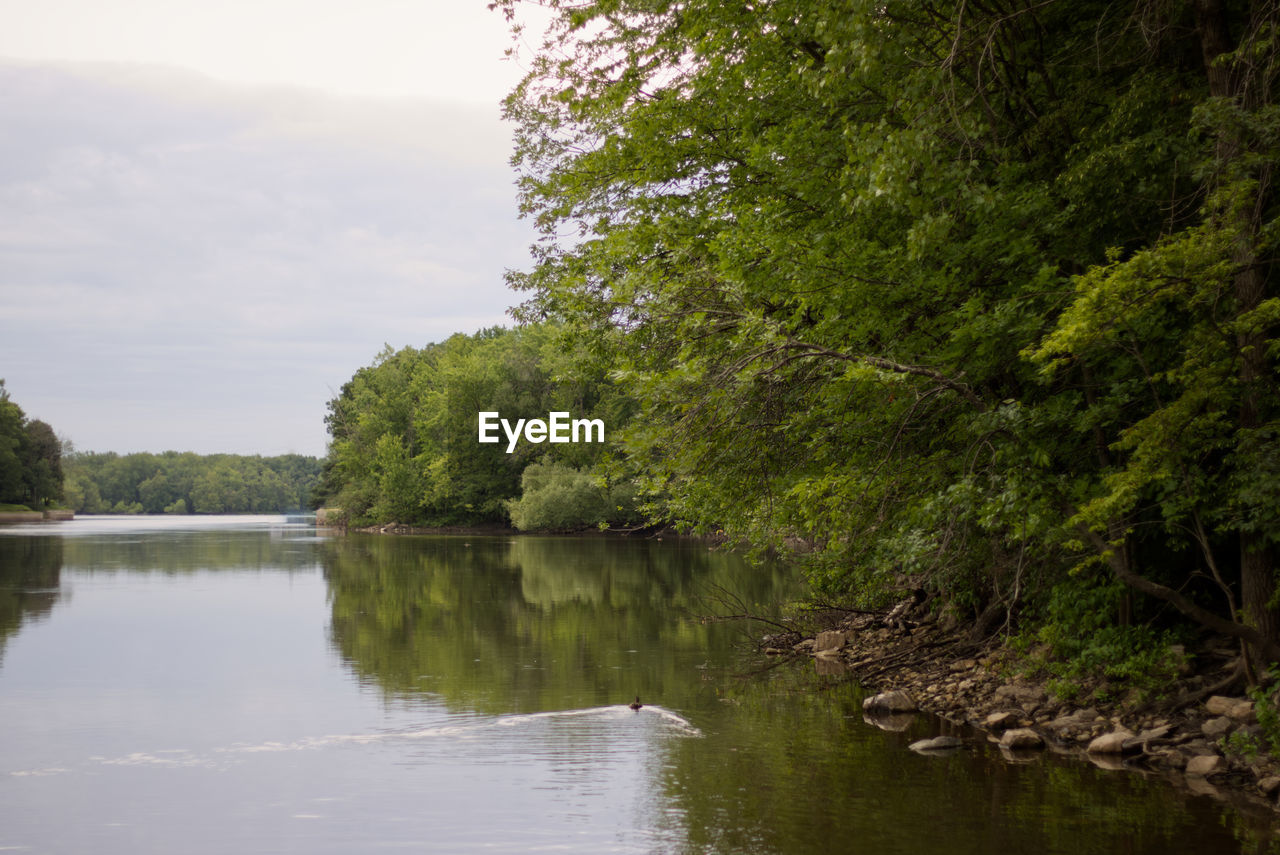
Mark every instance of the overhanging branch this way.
pixel 1199 614
pixel 956 386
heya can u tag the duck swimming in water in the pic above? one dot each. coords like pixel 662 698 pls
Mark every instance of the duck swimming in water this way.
pixel 635 705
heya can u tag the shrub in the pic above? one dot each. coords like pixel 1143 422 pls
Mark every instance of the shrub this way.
pixel 555 497
pixel 1082 640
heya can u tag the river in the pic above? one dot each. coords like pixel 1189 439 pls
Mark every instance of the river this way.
pixel 242 684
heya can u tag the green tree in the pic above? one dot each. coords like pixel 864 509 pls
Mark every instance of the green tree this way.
pixel 12 420
pixel 42 464
pixel 184 482
pixel 404 431
pixel 558 497
pixel 1185 332
pixel 833 247
pixel 30 458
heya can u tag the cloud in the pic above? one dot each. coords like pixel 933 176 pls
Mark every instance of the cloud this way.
pixel 436 48
pixel 179 257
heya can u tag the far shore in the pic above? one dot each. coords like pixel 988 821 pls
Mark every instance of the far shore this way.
pixel 55 514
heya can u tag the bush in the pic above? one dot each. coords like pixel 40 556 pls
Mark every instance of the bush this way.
pixel 560 498
pixel 1267 708
pixel 1083 642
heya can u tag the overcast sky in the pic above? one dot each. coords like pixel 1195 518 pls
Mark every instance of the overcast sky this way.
pixel 212 214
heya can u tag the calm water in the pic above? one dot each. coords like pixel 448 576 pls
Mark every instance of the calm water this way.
pixel 243 685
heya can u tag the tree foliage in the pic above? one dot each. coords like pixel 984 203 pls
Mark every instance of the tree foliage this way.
pixel 188 483
pixel 404 431
pixel 970 295
pixel 30 458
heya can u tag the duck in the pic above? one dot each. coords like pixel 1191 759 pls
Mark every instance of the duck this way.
pixel 635 705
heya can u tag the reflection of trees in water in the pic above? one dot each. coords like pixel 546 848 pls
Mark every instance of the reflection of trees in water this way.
pixel 777 766
pixel 31 566
pixel 531 623
pixel 191 551
pixel 524 624
pixel 30 579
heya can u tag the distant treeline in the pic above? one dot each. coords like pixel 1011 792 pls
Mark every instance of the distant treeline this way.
pixel 405 446
pixel 30 458
pixel 188 483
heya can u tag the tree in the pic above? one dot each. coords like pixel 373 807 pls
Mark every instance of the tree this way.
pixel 11 439
pixel 1186 329
pixel 848 257
pixel 404 430
pixel 185 482
pixel 30 458
pixel 42 464
pixel 558 497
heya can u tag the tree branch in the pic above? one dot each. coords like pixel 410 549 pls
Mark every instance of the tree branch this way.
pixel 1201 615
pixel 956 386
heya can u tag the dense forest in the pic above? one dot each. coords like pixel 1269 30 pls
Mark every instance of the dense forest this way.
pixel 971 298
pixel 405 445
pixel 189 483
pixel 30 459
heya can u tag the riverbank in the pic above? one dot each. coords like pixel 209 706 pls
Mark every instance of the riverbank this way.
pixel 656 533
pixel 54 515
pixel 1201 733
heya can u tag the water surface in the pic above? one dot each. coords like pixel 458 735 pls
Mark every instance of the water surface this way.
pixel 245 685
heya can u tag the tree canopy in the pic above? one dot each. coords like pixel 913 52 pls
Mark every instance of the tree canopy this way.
pixel 404 441
pixel 977 297
pixel 30 458
pixel 189 483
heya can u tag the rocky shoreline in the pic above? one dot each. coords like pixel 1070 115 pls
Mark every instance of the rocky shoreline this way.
pixel 914 662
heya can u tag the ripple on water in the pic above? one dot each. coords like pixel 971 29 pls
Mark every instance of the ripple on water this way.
pixel 593 734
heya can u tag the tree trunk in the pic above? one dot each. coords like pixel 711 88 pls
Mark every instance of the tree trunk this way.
pixel 1230 81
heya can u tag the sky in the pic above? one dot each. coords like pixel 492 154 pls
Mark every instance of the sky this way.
pixel 213 214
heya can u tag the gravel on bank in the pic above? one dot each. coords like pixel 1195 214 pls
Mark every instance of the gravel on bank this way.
pixel 912 661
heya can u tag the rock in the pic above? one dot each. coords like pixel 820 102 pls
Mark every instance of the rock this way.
pixel 1216 728
pixel 1024 696
pixel 1270 784
pixel 1153 733
pixel 964 665
pixel 895 701
pixel 830 640
pixel 1143 739
pixel 1170 758
pixel 1112 743
pixel 1021 738
pixel 1079 718
pixel 1000 720
pixel 938 743
pixel 1218 705
pixel 1205 764
pixel 805 646
pixel 1241 711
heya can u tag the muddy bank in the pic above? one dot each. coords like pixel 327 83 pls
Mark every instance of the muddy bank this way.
pixel 1200 733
